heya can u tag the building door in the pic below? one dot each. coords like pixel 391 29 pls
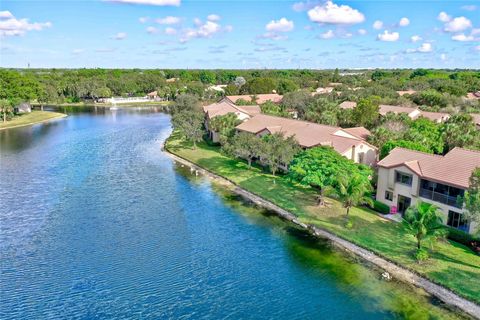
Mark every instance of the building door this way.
pixel 403 204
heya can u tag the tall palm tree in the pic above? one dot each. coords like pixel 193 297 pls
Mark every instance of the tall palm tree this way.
pixel 352 191
pixel 423 221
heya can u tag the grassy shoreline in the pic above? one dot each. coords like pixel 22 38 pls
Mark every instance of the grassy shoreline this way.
pixel 107 105
pixel 31 118
pixel 451 265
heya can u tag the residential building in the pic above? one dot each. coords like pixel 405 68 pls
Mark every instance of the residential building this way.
pixel 413 113
pixel 23 107
pixel 224 107
pixel 152 95
pixel 437 117
pixel 348 105
pixel 257 98
pixel 476 119
pixel 404 92
pixel 406 177
pixel 473 95
pixel 348 142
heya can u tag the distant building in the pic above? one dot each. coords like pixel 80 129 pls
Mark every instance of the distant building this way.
pixel 406 177
pixel 347 142
pixel 348 105
pixel 437 117
pixel 224 107
pixel 476 119
pixel 257 98
pixel 404 92
pixel 219 87
pixel 412 113
pixel 23 107
pixel 152 95
pixel 473 95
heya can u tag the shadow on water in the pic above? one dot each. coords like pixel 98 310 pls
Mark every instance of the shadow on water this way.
pixel 22 138
pixel 319 258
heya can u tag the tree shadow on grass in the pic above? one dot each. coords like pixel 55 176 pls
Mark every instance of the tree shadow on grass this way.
pixel 449 258
pixel 461 281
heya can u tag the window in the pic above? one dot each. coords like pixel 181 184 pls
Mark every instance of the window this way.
pixel 388 195
pixel 403 178
pixel 456 220
pixel 361 157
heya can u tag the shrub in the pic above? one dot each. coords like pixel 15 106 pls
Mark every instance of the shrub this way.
pixel 421 254
pixel 349 224
pixel 381 207
pixel 463 238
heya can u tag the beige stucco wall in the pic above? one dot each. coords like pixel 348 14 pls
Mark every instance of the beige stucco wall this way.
pixel 370 154
pixel 386 182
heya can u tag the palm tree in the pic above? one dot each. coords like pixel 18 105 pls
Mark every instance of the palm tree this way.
pixel 423 221
pixel 352 191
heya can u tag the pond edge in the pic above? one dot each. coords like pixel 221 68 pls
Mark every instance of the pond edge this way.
pixel 400 273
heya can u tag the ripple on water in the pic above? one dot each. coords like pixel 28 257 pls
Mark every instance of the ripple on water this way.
pixel 98 224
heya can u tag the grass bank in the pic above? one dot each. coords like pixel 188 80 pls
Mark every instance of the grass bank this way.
pixel 30 118
pixel 451 265
pixel 108 105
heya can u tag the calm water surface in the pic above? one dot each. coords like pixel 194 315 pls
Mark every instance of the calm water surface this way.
pixel 96 222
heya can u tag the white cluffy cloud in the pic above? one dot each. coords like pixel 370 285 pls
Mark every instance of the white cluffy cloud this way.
pixel 143 19
pixel 457 24
pixel 11 26
pixel 362 32
pixel 463 37
pixel 388 36
pixel 203 30
pixel 476 48
pixel 444 17
pixel 304 6
pixel 424 48
pixel 327 35
pixel 168 20
pixel 377 25
pixel 170 31
pixel 469 7
pixel 149 2
pixel 404 22
pixel 151 30
pixel 415 38
pixel 331 13
pixel 213 17
pixel 282 25
pixel 120 36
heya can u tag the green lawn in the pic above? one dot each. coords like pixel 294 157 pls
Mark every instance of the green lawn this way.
pixel 30 118
pixel 451 265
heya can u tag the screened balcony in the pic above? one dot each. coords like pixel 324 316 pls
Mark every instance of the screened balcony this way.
pixel 441 193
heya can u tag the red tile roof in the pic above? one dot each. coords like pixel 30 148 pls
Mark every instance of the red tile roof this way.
pixel 453 169
pixel 348 105
pixel 223 107
pixel 260 98
pixel 307 134
pixel 360 132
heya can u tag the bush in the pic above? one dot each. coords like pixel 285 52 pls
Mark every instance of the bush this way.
pixel 421 254
pixel 463 238
pixel 381 207
pixel 349 224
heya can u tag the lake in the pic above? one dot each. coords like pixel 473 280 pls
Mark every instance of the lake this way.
pixel 98 223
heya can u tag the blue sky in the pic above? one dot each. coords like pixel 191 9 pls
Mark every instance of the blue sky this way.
pixel 240 34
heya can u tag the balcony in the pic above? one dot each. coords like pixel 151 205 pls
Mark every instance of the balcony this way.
pixel 440 197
